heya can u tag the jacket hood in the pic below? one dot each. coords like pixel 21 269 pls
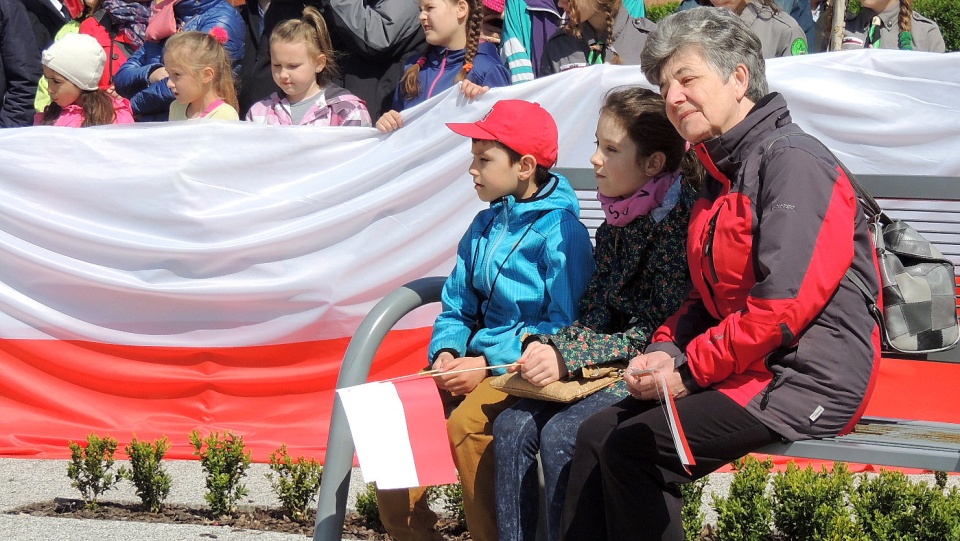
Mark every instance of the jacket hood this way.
pixel 728 151
pixel 555 194
pixel 186 9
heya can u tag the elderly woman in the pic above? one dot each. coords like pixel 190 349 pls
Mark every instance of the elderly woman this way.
pixel 775 341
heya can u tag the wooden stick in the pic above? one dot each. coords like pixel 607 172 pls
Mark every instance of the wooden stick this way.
pixel 435 373
pixel 838 25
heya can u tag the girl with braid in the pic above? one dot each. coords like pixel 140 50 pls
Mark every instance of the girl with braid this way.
pixel 891 24
pixel 455 53
pixel 596 32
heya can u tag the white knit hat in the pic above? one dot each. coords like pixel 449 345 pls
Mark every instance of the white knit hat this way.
pixel 79 58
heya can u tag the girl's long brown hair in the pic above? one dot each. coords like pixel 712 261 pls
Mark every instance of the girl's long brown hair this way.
pixel 200 50
pixel 609 8
pixel 97 108
pixel 410 81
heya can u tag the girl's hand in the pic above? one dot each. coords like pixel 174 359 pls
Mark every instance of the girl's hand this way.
pixel 644 387
pixel 541 364
pixel 463 382
pixel 159 74
pixel 390 121
pixel 472 90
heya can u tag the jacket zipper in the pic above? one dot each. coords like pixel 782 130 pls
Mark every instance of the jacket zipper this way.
pixel 494 244
pixel 766 392
pixel 443 65
pixel 708 248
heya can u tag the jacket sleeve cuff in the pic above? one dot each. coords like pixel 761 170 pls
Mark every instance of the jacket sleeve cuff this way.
pixel 531 338
pixel 451 351
pixel 667 347
pixel 686 377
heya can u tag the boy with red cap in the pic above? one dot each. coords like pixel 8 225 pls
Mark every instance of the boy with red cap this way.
pixel 521 268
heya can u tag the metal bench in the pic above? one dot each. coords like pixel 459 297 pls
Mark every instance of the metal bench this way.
pixel 890 442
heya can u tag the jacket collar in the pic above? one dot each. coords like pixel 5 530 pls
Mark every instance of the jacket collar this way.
pixel 725 154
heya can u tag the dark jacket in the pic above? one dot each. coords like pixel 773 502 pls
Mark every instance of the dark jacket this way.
pixel 151 101
pixel 256 78
pixel 773 322
pixel 565 51
pixel 640 280
pixel 45 21
pixel 372 38
pixel 19 66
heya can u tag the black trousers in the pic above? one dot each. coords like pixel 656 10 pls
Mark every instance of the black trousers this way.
pixel 625 476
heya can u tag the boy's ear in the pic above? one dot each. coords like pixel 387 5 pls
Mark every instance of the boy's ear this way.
pixel 528 166
pixel 653 164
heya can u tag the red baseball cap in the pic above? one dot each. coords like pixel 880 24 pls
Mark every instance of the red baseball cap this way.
pixel 521 126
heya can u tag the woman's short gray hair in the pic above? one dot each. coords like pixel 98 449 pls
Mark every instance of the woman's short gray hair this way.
pixel 722 39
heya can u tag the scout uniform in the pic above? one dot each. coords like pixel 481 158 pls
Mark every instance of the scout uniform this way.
pixel 565 51
pixel 779 33
pixel 882 31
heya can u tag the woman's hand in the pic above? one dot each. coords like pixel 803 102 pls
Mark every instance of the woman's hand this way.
pixel 472 90
pixel 389 121
pixel 645 386
pixel 541 364
pixel 463 382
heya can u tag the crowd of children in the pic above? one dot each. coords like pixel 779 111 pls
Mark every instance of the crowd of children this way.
pixel 471 43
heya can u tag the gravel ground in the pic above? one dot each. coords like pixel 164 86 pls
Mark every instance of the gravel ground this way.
pixel 24 481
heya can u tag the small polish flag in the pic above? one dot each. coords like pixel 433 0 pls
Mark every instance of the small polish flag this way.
pixel 400 433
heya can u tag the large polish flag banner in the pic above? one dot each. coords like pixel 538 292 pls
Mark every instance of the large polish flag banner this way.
pixel 156 279
pixel 400 433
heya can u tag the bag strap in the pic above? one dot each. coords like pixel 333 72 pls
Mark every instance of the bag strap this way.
pixel 871 208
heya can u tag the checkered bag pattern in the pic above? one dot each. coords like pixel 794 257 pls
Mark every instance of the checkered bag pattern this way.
pixel 919 292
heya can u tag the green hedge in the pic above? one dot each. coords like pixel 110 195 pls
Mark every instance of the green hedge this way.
pixel 945 12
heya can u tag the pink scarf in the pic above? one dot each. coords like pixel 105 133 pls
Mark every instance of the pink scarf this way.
pixel 620 211
pixel 163 22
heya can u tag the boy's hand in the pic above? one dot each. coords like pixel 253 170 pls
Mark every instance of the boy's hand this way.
pixel 390 121
pixel 464 382
pixel 541 364
pixel 471 90
pixel 158 74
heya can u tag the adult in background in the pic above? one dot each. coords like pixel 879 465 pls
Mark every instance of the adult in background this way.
pixel 801 11
pixel 261 17
pixel 373 37
pixel 775 341
pixel 47 17
pixel 143 79
pixel 19 66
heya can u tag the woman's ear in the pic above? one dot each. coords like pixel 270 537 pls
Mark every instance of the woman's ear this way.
pixel 741 78
pixel 528 166
pixel 653 164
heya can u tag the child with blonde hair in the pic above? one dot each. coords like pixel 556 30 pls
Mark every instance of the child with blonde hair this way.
pixel 200 76
pixel 455 53
pixel 303 65
pixel 73 66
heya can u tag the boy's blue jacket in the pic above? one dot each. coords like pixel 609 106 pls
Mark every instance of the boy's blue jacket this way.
pixel 521 269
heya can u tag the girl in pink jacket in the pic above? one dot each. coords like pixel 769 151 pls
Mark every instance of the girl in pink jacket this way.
pixel 73 66
pixel 303 66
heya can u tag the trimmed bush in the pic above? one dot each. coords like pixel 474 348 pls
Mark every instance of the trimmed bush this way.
pixel 223 458
pixel 151 480
pixel 367 506
pixel 691 514
pixel 812 505
pixel 295 482
pixel 89 468
pixel 656 13
pixel 745 514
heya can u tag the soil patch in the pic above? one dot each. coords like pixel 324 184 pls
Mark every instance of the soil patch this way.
pixel 247 518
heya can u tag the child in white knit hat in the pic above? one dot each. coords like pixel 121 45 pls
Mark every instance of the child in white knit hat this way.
pixel 73 66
